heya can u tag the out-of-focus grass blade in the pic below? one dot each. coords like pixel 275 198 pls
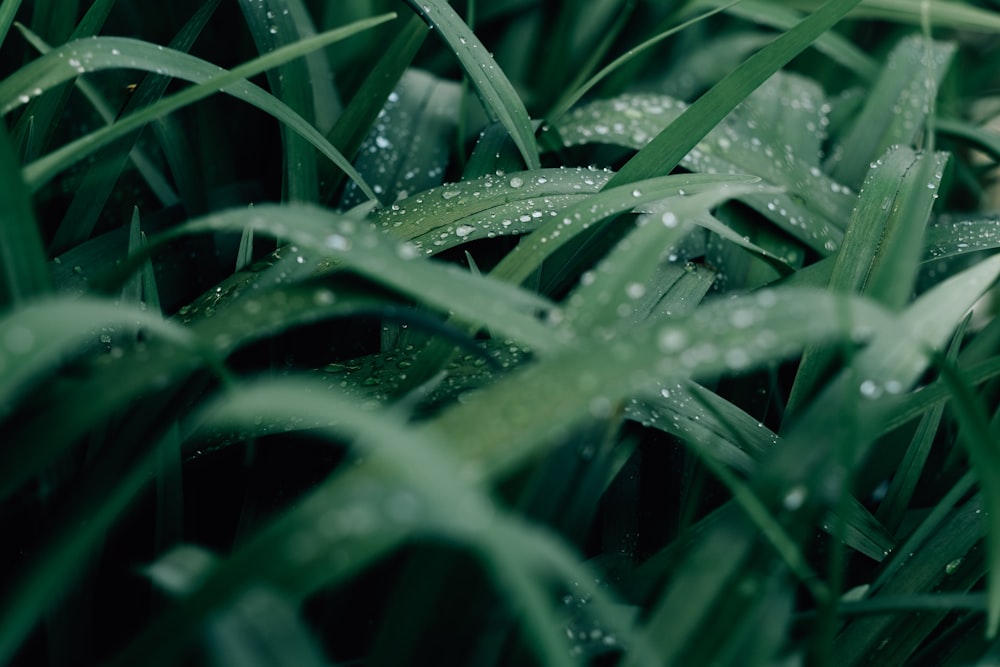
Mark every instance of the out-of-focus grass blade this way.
pixel 261 628
pixel 669 147
pixel 907 85
pixel 110 52
pixel 355 518
pixel 41 335
pixel 24 270
pixel 942 13
pixel 244 256
pixel 61 558
pixel 608 300
pixel 352 126
pixel 408 147
pixel 92 195
pixel 8 10
pixel 834 46
pixel 982 138
pixel 272 26
pixel 495 90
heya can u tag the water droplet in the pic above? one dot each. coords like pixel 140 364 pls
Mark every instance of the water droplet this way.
pixel 338 242
pixel 635 290
pixel 870 389
pixel 516 182
pixel 464 230
pixel 795 498
pixel 669 219
pixel 672 340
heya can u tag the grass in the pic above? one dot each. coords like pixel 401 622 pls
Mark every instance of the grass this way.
pixel 397 333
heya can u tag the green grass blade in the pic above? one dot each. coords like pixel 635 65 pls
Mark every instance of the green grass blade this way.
pixel 57 67
pixel 669 147
pixel 576 219
pixel 574 95
pixel 908 83
pixel 8 10
pixel 353 125
pixel 24 271
pixel 882 247
pixel 93 193
pixel 272 26
pixel 495 90
pixel 408 148
pixel 382 259
pixel 441 218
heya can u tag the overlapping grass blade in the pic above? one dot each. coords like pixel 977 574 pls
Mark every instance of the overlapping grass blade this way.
pixel 110 52
pixel 8 10
pixel 813 207
pixel 908 84
pixel 344 526
pixel 440 218
pixel 353 245
pixel 669 147
pixel 496 92
pixel 834 46
pixel 408 148
pixel 576 219
pixel 882 247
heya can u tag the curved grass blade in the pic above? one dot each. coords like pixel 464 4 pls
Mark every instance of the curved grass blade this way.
pixel 344 243
pixel 443 217
pixel 495 90
pixel 110 52
pixel 950 238
pixel 668 148
pixel 93 193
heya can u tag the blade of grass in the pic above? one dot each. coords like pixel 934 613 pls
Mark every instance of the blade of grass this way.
pixel 668 148
pixel 495 90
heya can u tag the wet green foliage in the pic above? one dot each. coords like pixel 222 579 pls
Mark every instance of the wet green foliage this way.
pixel 373 332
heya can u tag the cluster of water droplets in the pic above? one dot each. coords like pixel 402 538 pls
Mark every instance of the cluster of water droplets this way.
pixel 494 205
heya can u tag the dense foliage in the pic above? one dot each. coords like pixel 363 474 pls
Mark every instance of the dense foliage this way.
pixel 616 332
